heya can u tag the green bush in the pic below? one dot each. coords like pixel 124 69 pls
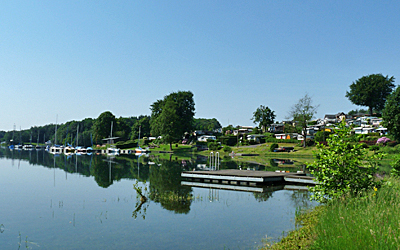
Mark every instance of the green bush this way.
pixel 273 147
pixel 310 142
pixel 396 167
pixel 364 145
pixel 227 149
pixel 228 140
pixel 342 168
pixel 374 148
pixel 213 145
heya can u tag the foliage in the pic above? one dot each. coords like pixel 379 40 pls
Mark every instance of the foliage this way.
pixel 371 91
pixel 310 142
pixel 213 145
pixel 273 147
pixel 374 148
pixel 302 112
pixel 303 236
pixel 228 129
pixel 358 112
pixel 371 222
pixel 172 116
pixel 144 124
pixel 321 136
pixel 396 167
pixel 228 140
pixel 342 168
pixel 227 149
pixel 264 116
pixel 206 124
pixel 391 114
pixel 102 126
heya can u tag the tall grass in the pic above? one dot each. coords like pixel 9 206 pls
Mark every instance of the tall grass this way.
pixel 369 222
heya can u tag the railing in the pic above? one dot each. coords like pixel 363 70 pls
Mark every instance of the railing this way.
pixel 214 161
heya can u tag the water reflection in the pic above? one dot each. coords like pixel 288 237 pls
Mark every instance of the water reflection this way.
pixel 173 214
pixel 158 178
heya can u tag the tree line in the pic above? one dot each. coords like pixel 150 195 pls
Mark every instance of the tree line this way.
pixel 170 118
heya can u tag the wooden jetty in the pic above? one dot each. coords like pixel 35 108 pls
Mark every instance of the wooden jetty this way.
pixel 246 177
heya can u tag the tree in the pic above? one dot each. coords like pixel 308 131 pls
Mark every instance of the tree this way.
pixel 371 91
pixel 302 112
pixel 102 126
pixel 391 114
pixel 172 116
pixel 342 168
pixel 264 116
pixel 144 124
pixel 206 124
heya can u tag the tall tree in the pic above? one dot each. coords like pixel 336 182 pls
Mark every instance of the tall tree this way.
pixel 371 91
pixel 264 116
pixel 391 114
pixel 144 124
pixel 172 116
pixel 102 126
pixel 303 111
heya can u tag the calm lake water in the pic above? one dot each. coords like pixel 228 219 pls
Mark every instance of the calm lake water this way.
pixel 88 202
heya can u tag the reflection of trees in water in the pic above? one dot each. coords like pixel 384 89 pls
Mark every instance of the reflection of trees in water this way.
pixel 301 198
pixel 166 189
pixel 261 197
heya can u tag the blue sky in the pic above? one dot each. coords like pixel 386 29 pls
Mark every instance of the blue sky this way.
pixel 77 59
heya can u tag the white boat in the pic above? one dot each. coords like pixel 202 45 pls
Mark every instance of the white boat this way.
pixel 56 149
pixel 28 147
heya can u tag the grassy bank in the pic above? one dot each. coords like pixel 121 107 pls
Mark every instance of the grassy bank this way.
pixel 370 222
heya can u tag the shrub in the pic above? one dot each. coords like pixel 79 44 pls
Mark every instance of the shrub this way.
pixel 342 168
pixel 374 148
pixel 310 142
pixel 396 167
pixel 227 149
pixel 364 145
pixel 273 147
pixel 213 145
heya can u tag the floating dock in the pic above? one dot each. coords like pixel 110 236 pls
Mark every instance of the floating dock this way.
pixel 246 177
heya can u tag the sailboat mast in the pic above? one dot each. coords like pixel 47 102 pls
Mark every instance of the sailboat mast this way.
pixel 77 129
pixel 55 132
pixel 139 137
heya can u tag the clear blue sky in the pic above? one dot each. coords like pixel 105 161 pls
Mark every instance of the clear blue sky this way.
pixel 77 59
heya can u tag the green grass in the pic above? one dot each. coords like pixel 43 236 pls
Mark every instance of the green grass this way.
pixel 369 222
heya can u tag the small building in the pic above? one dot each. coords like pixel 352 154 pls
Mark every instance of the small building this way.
pixel 255 138
pixel 277 128
pixel 204 138
pixel 363 130
pixel 376 122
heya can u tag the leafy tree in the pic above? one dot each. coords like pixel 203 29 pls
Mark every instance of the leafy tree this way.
pixel 144 124
pixel 102 126
pixel 302 112
pixel 342 168
pixel 371 91
pixel 264 116
pixel 206 124
pixel 358 112
pixel 172 116
pixel 391 114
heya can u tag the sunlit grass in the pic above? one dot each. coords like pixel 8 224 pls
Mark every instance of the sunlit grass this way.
pixel 368 222
pixel 371 222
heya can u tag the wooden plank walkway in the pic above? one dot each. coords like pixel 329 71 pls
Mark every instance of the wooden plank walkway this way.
pixel 246 177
